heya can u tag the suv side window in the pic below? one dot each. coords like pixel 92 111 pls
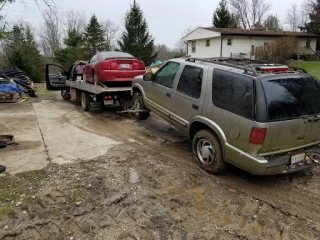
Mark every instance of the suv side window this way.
pixel 191 81
pixel 233 92
pixel 165 76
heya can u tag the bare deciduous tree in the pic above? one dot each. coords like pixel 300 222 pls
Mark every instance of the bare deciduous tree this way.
pixel 110 30
pixel 306 8
pixel 258 9
pixel 75 20
pixel 293 17
pixel 51 34
pixel 250 12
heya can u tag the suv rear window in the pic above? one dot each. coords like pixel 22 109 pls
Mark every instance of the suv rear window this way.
pixel 292 97
pixel 233 92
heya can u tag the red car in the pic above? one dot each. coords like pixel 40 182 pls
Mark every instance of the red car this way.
pixel 113 69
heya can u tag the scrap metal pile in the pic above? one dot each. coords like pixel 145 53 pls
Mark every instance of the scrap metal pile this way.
pixel 15 83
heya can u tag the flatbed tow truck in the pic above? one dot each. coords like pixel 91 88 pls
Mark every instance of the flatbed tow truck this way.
pixel 72 85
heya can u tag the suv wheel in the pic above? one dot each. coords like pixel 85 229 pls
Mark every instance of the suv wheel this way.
pixel 138 104
pixel 208 152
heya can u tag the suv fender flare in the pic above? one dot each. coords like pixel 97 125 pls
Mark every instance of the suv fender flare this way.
pixel 137 87
pixel 211 125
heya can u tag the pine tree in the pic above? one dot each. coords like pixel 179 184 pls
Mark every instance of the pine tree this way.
pixel 94 36
pixel 222 18
pixel 22 51
pixel 136 39
pixel 74 49
pixel 314 25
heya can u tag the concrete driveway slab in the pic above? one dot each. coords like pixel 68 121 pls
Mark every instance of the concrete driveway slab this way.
pixel 30 153
pixel 65 142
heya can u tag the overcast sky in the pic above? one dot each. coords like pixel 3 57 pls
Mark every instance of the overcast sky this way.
pixel 167 19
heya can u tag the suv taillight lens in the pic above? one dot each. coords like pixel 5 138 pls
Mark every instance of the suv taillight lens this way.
pixel 258 135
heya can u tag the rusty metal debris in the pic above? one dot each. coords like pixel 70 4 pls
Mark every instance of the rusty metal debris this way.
pixel 6 140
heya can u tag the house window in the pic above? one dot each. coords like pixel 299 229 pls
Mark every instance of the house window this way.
pixel 208 43
pixel 193 45
pixel 229 42
pixel 308 43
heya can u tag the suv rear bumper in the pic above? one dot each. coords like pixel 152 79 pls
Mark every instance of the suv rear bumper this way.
pixel 271 165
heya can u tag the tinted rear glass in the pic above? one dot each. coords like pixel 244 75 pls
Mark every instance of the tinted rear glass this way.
pixel 190 81
pixel 233 92
pixel 292 97
pixel 114 54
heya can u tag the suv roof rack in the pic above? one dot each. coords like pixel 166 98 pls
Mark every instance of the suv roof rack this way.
pixel 244 63
pixel 246 69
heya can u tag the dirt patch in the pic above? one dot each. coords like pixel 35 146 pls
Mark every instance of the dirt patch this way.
pixel 133 194
pixel 148 187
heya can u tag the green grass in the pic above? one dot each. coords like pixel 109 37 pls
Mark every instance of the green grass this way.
pixel 13 186
pixel 313 67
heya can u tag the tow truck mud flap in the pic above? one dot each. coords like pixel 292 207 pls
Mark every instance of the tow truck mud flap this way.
pixel 95 105
pixel 75 94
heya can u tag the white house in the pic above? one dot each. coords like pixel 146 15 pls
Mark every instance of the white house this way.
pixel 228 42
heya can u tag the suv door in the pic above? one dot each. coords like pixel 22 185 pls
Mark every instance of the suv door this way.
pixel 158 95
pixel 56 77
pixel 187 100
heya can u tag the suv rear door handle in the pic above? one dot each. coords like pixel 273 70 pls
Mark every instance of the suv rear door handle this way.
pixel 196 107
pixel 168 95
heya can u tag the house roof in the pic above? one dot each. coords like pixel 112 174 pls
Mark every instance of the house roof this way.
pixel 269 33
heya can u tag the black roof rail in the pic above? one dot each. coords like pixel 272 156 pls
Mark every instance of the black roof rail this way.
pixel 246 60
pixel 246 69
pixel 297 68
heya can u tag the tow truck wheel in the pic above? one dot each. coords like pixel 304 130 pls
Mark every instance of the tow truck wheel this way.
pixel 85 101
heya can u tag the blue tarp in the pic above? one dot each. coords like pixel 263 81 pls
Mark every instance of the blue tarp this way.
pixel 9 87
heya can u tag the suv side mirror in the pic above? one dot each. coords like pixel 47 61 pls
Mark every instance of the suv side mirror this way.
pixel 148 77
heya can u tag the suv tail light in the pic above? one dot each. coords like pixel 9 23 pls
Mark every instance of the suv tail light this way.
pixel 258 135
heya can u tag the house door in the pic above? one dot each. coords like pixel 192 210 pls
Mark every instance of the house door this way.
pixel 252 53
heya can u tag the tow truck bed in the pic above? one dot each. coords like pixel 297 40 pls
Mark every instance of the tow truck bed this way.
pixel 95 89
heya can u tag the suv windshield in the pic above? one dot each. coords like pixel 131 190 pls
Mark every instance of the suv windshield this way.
pixel 292 97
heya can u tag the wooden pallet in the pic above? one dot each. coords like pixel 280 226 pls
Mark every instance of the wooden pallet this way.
pixel 9 97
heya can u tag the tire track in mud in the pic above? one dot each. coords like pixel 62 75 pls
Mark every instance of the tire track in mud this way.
pixel 167 200
pixel 281 195
pixel 171 197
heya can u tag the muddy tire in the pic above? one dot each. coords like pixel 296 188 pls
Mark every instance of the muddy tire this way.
pixel 208 152
pixel 65 95
pixel 85 102
pixel 138 104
